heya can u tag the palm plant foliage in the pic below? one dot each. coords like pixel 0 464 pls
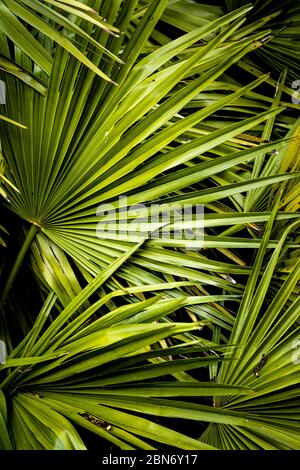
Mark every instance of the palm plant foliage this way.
pixel 121 338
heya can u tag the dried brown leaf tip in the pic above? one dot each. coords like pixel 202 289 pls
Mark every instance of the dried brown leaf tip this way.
pixel 260 365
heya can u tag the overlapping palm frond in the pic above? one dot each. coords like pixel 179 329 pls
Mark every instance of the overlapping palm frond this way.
pixel 54 376
pixel 127 137
pixel 125 315
pixel 35 27
pixel 282 47
pixel 268 360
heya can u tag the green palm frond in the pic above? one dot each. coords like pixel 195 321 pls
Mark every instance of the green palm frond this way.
pixel 115 349
pixel 267 338
pixel 54 28
pixel 125 146
pixel 113 323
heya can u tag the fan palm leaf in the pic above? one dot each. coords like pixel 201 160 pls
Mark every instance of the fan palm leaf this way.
pixel 134 320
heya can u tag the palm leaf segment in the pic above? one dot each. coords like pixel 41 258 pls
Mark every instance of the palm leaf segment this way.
pixel 134 139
